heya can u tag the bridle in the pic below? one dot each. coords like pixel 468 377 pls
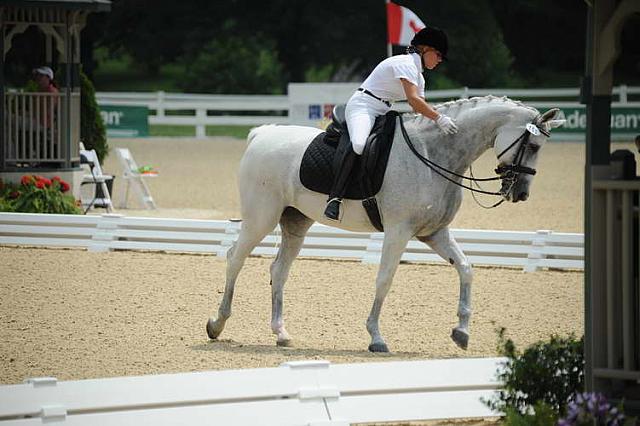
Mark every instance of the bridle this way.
pixel 508 174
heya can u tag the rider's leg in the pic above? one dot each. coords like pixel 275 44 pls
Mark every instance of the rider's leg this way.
pixel 360 121
pixel 339 186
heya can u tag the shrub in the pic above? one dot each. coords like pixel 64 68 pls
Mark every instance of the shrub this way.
pixel 37 194
pixel 93 132
pixel 546 372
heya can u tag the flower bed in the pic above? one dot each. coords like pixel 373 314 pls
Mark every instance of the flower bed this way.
pixel 37 194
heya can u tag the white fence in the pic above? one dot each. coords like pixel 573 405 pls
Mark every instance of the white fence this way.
pixel 278 108
pixel 296 393
pixel 529 250
pixel 199 106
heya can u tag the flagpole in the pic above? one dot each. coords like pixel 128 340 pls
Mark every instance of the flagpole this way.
pixel 389 49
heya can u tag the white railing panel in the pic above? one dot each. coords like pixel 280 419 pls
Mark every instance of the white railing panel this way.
pixel 126 393
pixel 153 234
pixel 267 413
pixel 411 406
pixel 162 246
pixel 419 376
pixel 64 231
pixel 530 250
pixel 297 392
pixel 43 242
pixel 181 120
pixel 58 219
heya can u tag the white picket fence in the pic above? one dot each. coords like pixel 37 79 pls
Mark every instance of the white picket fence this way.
pixel 530 250
pixel 296 393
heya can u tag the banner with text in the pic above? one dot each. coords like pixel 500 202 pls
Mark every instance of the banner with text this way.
pixel 125 121
pixel 625 121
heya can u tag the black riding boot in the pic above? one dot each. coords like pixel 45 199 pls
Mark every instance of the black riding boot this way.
pixel 339 187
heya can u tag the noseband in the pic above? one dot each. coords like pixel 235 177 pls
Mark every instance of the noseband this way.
pixel 516 166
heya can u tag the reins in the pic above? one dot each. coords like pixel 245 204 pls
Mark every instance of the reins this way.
pixel 433 166
pixel 506 172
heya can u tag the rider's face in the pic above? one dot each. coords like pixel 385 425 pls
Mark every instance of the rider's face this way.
pixel 431 57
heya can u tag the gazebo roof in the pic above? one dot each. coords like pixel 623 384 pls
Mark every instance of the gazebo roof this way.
pixel 89 5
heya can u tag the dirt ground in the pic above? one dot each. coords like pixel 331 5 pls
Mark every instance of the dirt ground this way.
pixel 78 315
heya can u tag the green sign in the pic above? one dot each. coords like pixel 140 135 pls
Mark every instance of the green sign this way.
pixel 625 121
pixel 125 121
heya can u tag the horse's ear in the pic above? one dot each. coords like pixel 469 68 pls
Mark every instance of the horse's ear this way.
pixel 549 115
pixel 549 121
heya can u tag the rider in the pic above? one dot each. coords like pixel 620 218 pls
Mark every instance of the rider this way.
pixel 395 78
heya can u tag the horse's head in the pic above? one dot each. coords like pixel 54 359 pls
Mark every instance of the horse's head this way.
pixel 517 150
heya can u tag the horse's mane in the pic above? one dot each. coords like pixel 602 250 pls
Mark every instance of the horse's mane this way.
pixel 454 108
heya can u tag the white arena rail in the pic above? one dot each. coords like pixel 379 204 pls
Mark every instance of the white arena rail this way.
pixel 530 250
pixel 200 105
pixel 296 393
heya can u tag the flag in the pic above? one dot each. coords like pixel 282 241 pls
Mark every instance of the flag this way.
pixel 402 24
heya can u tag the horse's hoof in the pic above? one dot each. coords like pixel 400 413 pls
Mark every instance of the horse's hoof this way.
pixel 285 343
pixel 378 347
pixel 460 337
pixel 214 328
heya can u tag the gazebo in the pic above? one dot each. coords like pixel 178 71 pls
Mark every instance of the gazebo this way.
pixel 612 222
pixel 26 144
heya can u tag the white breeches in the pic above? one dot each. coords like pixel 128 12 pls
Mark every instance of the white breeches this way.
pixel 361 112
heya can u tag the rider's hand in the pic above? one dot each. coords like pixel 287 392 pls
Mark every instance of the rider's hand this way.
pixel 446 124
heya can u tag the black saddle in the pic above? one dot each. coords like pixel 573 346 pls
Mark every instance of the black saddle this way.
pixel 323 157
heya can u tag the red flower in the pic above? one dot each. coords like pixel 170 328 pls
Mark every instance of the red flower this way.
pixel 40 184
pixel 14 194
pixel 47 182
pixel 26 180
pixel 65 186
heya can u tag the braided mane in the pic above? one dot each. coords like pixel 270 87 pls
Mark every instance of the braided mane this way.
pixel 455 107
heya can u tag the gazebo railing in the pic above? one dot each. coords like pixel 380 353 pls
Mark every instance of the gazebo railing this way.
pixel 616 321
pixel 36 130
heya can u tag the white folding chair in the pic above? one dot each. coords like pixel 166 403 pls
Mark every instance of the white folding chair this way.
pixel 94 176
pixel 132 176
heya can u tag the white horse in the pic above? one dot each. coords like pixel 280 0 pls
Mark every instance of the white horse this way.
pixel 414 201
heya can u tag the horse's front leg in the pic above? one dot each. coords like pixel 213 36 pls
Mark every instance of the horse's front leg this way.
pixel 443 243
pixel 395 241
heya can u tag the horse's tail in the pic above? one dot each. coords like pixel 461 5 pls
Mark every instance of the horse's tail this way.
pixel 254 132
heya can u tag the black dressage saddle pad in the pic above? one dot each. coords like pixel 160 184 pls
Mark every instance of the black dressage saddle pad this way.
pixel 317 168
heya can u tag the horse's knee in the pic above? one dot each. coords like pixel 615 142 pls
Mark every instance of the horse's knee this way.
pixel 466 272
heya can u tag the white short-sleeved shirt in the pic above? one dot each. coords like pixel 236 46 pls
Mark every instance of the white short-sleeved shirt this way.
pixel 384 80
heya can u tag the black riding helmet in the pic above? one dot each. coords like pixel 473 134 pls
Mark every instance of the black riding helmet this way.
pixel 432 37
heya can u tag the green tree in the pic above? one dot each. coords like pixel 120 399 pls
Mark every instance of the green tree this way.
pixel 547 38
pixel 234 65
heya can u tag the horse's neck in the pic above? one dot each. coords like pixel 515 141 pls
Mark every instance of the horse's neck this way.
pixel 457 152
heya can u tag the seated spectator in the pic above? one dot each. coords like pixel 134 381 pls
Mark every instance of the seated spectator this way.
pixel 43 77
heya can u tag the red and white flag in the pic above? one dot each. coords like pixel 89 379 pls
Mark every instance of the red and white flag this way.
pixel 402 24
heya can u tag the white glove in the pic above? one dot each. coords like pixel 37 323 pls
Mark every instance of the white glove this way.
pixel 447 125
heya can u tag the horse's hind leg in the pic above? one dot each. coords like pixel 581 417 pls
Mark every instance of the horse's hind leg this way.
pixel 294 226
pixel 443 243
pixel 254 228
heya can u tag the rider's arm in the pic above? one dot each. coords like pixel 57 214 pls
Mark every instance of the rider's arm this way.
pixel 417 102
